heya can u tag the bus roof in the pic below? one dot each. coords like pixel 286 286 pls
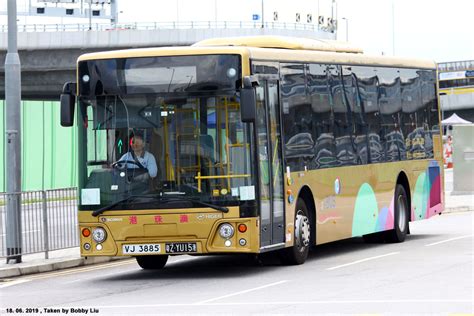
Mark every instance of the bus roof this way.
pixel 283 42
pixel 272 48
pixel 338 58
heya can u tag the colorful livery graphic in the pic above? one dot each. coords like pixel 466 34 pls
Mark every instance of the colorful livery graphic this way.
pixel 251 145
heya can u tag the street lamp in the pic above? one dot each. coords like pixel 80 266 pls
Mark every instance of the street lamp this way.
pixel 13 138
pixel 347 29
pixel 90 15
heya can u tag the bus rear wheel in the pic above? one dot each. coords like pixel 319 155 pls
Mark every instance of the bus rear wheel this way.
pixel 302 237
pixel 152 262
pixel 400 230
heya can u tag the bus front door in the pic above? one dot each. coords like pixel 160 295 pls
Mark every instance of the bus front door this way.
pixel 270 166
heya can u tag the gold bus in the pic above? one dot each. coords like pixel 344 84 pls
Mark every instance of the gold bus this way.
pixel 251 145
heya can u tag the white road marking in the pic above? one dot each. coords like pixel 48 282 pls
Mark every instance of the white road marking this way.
pixel 362 260
pixel 79 270
pixel 7 284
pixel 448 240
pixel 95 277
pixel 120 272
pixel 422 301
pixel 330 302
pixel 83 269
pixel 46 275
pixel 241 292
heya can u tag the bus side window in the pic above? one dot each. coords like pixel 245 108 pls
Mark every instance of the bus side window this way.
pixel 367 91
pixel 323 134
pixel 363 80
pixel 353 104
pixel 430 109
pixel 411 100
pixel 390 113
pixel 297 121
pixel 342 125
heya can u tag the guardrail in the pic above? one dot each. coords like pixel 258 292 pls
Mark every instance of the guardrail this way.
pixel 48 222
pixel 166 26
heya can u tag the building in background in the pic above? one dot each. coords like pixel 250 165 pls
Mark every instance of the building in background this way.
pixel 456 89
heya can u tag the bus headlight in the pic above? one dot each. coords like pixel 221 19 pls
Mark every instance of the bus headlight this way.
pixel 99 235
pixel 226 231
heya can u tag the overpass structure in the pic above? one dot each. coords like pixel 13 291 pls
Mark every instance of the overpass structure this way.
pixel 48 53
pixel 456 88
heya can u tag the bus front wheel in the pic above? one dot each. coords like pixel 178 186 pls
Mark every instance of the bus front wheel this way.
pixel 152 262
pixel 302 237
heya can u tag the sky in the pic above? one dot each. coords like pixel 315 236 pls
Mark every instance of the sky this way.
pixel 439 30
pixel 434 29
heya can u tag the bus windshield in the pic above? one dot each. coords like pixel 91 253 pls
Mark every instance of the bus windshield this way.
pixel 194 147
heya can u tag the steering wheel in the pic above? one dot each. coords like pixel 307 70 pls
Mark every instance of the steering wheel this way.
pixel 122 164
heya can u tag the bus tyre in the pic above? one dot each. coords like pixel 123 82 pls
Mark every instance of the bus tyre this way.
pixel 400 230
pixel 152 262
pixel 302 236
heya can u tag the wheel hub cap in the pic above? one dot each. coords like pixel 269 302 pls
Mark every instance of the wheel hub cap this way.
pixel 402 214
pixel 302 232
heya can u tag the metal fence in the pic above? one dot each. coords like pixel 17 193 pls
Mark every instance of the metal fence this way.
pixel 48 221
pixel 167 26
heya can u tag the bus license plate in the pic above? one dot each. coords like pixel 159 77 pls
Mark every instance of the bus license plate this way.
pixel 181 247
pixel 141 249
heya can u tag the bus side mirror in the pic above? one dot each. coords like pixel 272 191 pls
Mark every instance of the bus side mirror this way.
pixel 248 100
pixel 68 100
pixel 247 106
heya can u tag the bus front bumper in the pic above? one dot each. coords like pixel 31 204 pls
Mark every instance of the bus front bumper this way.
pixel 242 237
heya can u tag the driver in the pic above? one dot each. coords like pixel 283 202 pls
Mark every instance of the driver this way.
pixel 141 156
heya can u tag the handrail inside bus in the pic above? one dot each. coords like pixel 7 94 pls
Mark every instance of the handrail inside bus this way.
pixel 199 178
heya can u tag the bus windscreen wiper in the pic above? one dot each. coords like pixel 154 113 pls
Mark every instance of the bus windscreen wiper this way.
pixel 161 199
pixel 108 207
